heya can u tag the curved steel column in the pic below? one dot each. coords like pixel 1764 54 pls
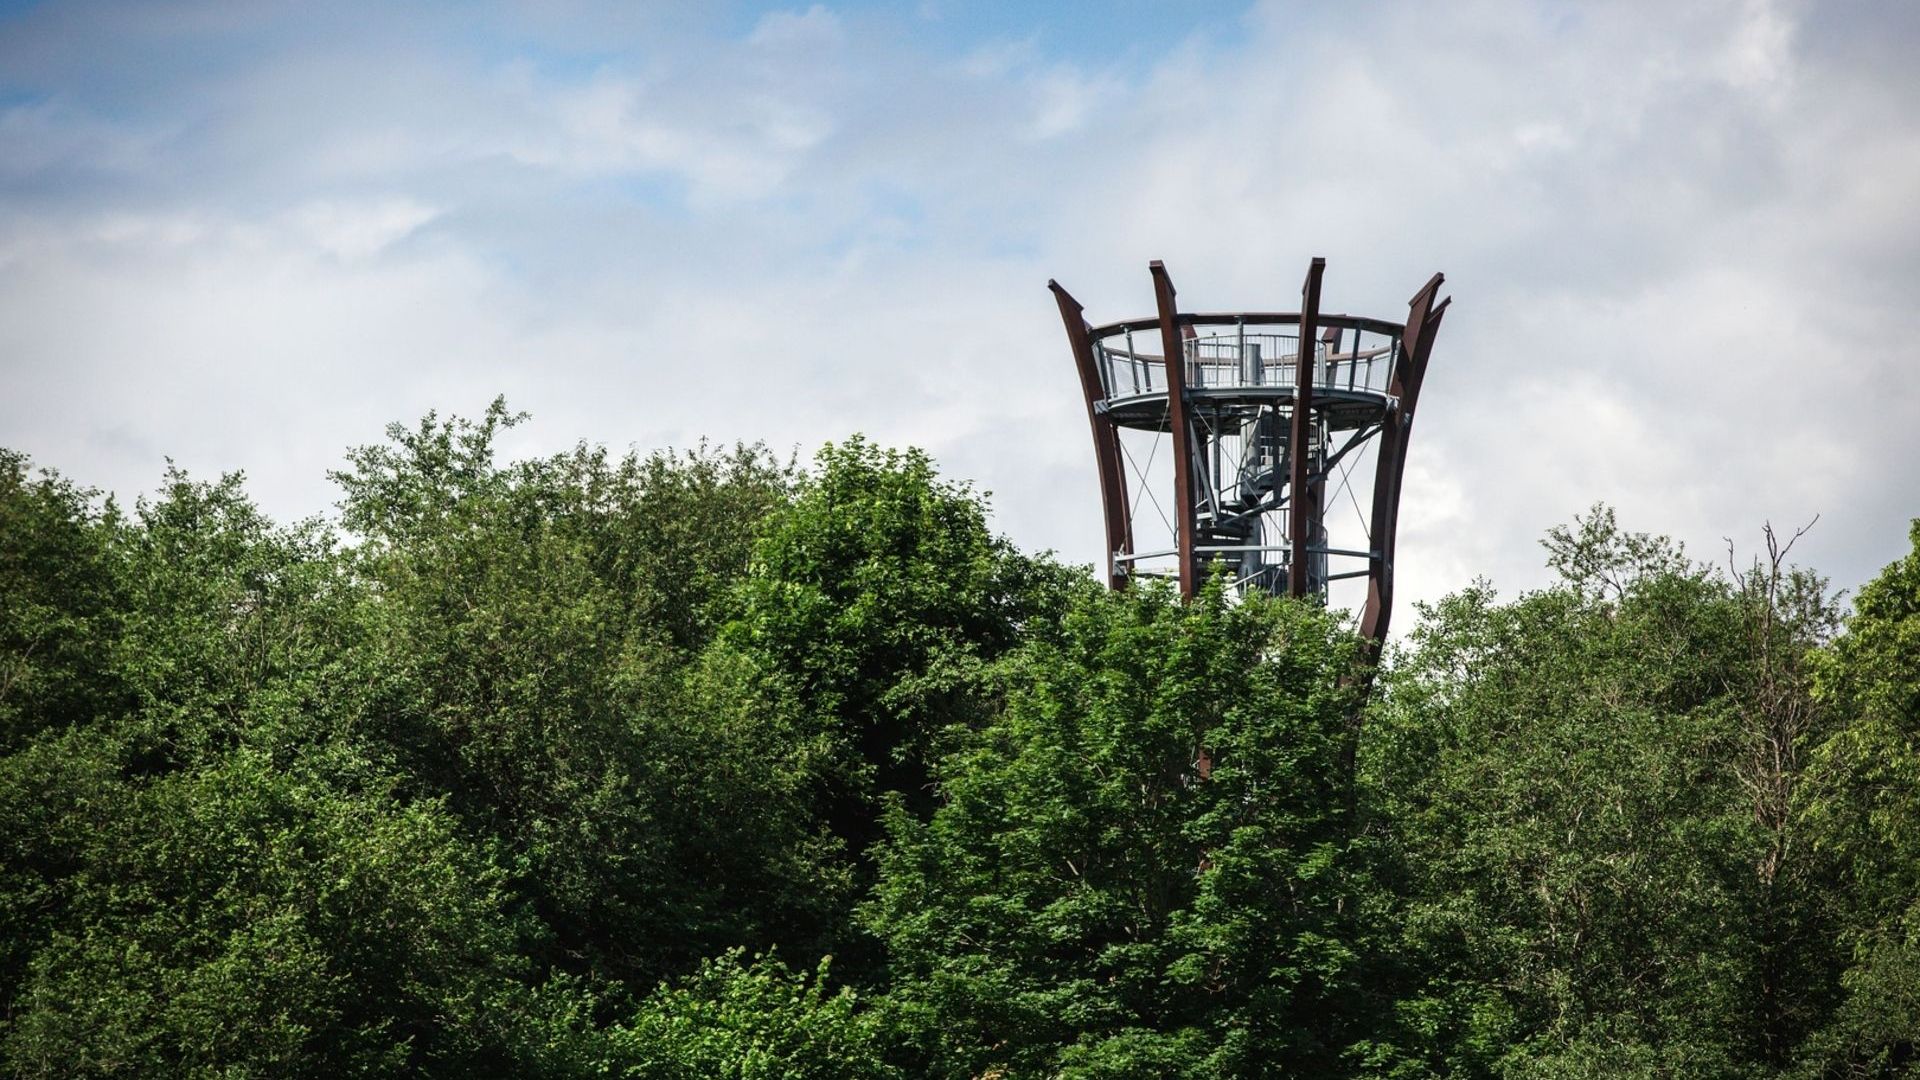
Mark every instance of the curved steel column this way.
pixel 1302 513
pixel 1416 344
pixel 1174 353
pixel 1106 441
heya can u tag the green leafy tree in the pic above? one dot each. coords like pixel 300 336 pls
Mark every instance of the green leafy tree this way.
pixel 246 918
pixel 1140 867
pixel 60 603
pixel 739 1020
pixel 224 879
pixel 530 767
pixel 196 631
pixel 1586 793
pixel 878 596
pixel 60 608
pixel 540 638
pixel 1864 808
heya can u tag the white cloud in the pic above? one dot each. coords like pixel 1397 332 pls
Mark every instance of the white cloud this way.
pixel 809 29
pixel 360 229
pixel 725 145
pixel 1066 99
pixel 1759 51
pixel 1683 261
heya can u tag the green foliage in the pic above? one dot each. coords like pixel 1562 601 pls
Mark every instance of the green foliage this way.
pixel 1595 558
pixel 503 684
pixel 533 642
pixel 533 768
pixel 1589 790
pixel 1140 867
pixel 245 917
pixel 60 605
pixel 58 598
pixel 878 596
pixel 752 1021
pixel 1865 809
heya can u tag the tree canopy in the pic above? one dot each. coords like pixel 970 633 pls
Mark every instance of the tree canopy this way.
pixel 713 764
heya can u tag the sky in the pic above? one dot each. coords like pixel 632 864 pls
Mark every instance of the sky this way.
pixel 1683 240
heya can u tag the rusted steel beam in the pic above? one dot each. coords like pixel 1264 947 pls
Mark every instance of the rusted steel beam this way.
pixel 1410 369
pixel 1300 514
pixel 1119 576
pixel 1174 354
pixel 1106 440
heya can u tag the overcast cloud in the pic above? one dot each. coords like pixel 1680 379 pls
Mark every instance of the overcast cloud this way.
pixel 1683 239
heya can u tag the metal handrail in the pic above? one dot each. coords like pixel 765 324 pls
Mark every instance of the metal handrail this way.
pixel 1240 360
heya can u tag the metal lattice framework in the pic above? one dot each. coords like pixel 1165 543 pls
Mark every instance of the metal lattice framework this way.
pixel 1264 413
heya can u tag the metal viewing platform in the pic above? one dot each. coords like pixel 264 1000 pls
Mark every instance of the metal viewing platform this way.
pixel 1252 417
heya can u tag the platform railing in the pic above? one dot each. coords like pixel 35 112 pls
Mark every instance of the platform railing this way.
pixel 1127 372
pixel 1238 361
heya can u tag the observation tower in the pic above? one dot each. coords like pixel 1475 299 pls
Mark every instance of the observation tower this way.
pixel 1224 445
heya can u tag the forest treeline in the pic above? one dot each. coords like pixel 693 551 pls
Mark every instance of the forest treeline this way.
pixel 709 764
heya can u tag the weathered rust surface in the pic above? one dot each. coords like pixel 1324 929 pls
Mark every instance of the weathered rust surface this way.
pixel 1302 478
pixel 1416 345
pixel 1302 506
pixel 1174 355
pixel 1106 440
